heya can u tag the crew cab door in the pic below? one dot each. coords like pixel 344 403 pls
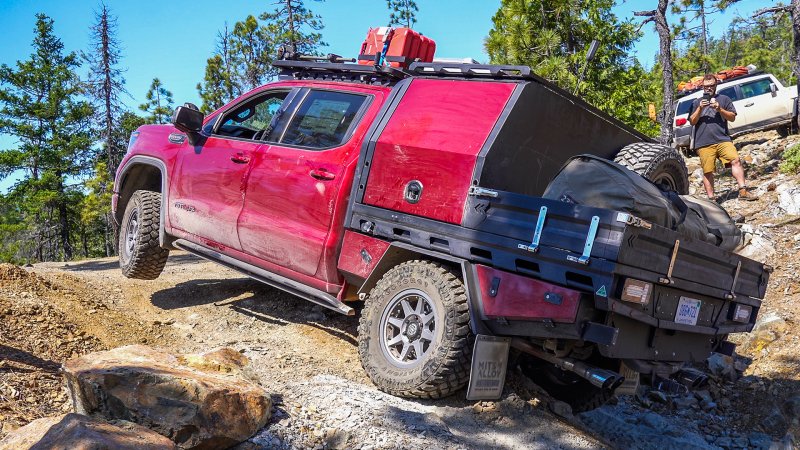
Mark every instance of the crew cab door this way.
pixel 762 108
pixel 207 189
pixel 295 181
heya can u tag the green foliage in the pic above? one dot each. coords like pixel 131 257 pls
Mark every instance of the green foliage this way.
pixel 293 25
pixel 243 57
pixel 402 13
pixel 791 160
pixel 216 88
pixel 158 103
pixel 552 36
pixel 41 106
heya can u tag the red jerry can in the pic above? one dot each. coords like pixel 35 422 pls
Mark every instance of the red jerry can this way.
pixel 404 47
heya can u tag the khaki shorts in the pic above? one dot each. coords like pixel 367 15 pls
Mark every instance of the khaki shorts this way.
pixel 725 151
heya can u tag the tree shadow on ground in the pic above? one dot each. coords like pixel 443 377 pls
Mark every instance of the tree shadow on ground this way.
pixel 178 259
pixel 10 357
pixel 263 303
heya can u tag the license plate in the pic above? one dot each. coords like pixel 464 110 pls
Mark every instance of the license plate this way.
pixel 688 311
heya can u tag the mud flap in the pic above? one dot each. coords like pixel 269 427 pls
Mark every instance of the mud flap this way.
pixel 489 364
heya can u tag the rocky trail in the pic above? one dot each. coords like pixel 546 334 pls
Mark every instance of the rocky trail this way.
pixel 306 356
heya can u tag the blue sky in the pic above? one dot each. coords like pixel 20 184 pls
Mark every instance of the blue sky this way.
pixel 172 39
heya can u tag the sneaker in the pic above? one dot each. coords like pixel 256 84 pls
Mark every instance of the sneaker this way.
pixel 745 194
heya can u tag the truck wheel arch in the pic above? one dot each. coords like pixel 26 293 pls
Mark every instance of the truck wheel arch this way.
pixel 399 252
pixel 142 173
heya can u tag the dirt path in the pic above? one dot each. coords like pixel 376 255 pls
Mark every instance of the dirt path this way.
pixel 303 354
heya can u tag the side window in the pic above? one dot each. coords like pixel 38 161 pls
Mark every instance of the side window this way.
pixel 754 88
pixel 730 93
pixel 684 107
pixel 254 118
pixel 322 120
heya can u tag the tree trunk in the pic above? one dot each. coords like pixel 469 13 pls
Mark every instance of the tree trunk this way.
pixel 292 38
pixel 63 219
pixel 665 58
pixel 795 11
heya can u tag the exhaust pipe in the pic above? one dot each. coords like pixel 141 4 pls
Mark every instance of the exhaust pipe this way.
pixel 691 378
pixel 602 378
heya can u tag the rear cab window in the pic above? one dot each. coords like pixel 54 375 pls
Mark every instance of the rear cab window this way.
pixel 323 120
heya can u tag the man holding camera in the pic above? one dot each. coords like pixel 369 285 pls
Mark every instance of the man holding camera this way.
pixel 710 117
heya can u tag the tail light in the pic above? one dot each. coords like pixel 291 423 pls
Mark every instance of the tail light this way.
pixel 680 122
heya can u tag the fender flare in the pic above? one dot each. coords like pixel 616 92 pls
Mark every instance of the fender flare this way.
pixel 399 252
pixel 138 160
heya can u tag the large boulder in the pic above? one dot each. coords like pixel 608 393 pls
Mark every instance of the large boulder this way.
pixel 79 432
pixel 198 401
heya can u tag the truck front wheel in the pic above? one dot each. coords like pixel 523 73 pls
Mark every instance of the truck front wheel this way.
pixel 140 254
pixel 658 163
pixel 414 338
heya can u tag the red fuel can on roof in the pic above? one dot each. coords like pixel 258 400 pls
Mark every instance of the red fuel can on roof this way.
pixel 403 46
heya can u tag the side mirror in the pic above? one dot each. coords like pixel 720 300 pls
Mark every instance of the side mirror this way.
pixel 774 89
pixel 188 119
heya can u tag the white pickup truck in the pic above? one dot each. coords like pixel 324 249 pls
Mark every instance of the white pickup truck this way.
pixel 761 101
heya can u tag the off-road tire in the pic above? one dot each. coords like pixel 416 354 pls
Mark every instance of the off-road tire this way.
pixel 565 386
pixel 658 163
pixel 140 255
pixel 444 368
pixel 784 130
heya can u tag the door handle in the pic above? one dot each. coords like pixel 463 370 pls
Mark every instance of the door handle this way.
pixel 322 174
pixel 240 158
pixel 749 104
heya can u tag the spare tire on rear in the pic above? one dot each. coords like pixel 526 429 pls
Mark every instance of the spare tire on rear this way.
pixel 658 163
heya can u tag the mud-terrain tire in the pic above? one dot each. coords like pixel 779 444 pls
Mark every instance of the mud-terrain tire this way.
pixel 565 386
pixel 784 130
pixel 140 255
pixel 417 306
pixel 658 163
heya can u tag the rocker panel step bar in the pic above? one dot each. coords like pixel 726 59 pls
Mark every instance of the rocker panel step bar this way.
pixel 277 281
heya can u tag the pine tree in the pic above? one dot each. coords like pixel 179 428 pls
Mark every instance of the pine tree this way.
pixel 553 36
pixel 105 84
pixel 40 105
pixel 295 26
pixel 158 104
pixel 403 13
pixel 219 85
pixel 252 47
pixel 694 28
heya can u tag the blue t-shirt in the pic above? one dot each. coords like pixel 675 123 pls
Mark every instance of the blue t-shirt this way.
pixel 711 128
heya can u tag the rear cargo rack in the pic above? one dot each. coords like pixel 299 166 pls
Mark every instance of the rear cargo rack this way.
pixel 472 70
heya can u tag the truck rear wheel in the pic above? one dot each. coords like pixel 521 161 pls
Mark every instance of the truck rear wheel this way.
pixel 414 338
pixel 658 163
pixel 140 254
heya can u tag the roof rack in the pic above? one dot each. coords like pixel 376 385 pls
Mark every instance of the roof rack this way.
pixel 319 70
pixel 681 94
pixel 471 70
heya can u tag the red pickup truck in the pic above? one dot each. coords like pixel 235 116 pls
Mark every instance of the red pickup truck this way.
pixel 417 192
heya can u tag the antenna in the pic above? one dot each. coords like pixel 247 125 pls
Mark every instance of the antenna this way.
pixel 589 56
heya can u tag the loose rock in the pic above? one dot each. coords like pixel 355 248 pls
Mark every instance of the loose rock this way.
pixel 195 408
pixel 79 432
